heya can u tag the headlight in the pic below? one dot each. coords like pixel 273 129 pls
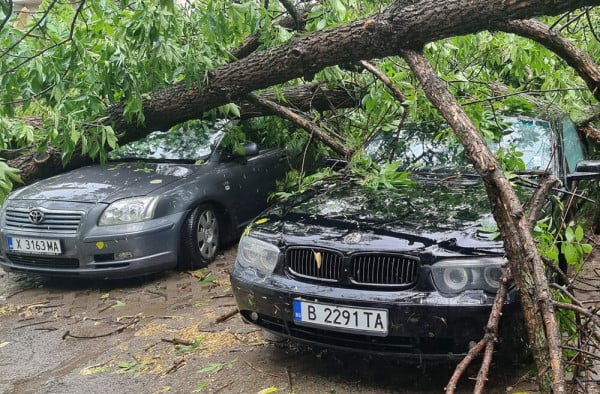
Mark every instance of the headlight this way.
pixel 129 210
pixel 254 253
pixel 454 276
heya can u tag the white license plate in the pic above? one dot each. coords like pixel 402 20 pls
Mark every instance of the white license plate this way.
pixel 343 318
pixel 34 245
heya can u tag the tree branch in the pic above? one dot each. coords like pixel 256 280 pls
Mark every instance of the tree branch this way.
pixel 525 261
pixel 552 39
pixel 313 129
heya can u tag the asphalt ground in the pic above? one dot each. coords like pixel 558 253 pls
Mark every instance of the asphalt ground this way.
pixel 178 332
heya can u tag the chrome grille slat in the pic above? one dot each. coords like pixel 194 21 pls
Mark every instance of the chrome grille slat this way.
pixel 302 262
pixel 59 221
pixel 363 269
pixel 384 269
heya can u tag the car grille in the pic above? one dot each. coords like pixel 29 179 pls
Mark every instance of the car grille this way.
pixel 45 262
pixel 66 222
pixel 304 262
pixel 369 269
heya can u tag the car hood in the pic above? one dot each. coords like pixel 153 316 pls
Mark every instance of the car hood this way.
pixel 105 183
pixel 429 215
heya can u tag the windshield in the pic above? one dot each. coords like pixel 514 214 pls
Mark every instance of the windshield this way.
pixel 429 146
pixel 190 143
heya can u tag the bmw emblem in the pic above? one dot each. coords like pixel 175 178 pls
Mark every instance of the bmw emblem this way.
pixel 36 216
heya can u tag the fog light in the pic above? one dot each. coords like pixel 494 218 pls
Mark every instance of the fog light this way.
pixel 254 316
pixel 123 255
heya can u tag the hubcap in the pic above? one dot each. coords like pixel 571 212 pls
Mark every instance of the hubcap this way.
pixel 208 234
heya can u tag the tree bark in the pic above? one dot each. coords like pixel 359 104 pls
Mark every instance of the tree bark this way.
pixel 302 98
pixel 404 24
pixel 310 127
pixel 525 262
pixel 383 34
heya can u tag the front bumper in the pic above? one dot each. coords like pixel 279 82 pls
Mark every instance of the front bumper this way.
pixel 111 252
pixel 422 325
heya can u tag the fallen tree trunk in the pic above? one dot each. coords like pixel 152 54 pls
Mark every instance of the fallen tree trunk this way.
pixel 303 98
pixel 402 25
pixel 398 27
pixel 525 261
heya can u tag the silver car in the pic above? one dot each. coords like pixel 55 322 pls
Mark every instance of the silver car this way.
pixel 169 201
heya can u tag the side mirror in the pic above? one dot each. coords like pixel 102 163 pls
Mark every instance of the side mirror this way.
pixel 240 155
pixel 585 169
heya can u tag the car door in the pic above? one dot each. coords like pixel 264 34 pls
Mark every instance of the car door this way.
pixel 252 178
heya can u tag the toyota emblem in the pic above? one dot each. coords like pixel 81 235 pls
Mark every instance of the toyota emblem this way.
pixel 36 216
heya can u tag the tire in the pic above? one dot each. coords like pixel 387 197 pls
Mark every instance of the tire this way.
pixel 200 238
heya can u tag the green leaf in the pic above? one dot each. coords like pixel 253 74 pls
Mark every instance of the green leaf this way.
pixel 569 234
pixel 579 234
pixel 570 253
pixel 587 248
pixel 212 367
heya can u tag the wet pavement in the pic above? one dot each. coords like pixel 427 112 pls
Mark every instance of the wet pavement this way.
pixel 178 332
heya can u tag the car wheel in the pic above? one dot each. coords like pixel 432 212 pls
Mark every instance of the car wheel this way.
pixel 200 238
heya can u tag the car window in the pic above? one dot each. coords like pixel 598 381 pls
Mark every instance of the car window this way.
pixel 416 147
pixel 184 143
pixel 571 144
pixel 421 147
pixel 532 137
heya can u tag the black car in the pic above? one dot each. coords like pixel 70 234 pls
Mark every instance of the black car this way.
pixel 164 202
pixel 409 272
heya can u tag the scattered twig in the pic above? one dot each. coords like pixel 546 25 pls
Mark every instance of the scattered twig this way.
pixel 261 371
pixel 46 329
pixel 178 341
pixel 117 331
pixel 34 324
pixel 105 308
pixel 151 346
pixel 221 296
pixel 288 372
pixel 18 292
pixel 223 387
pixel 100 364
pixel 226 316
pixel 158 293
pixel 177 364
pixel 51 306
pixel 34 305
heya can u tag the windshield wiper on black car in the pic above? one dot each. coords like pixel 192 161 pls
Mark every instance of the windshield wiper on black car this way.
pixel 532 172
pixel 151 160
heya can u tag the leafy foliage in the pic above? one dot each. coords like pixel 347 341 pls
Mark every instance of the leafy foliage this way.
pixel 8 176
pixel 63 66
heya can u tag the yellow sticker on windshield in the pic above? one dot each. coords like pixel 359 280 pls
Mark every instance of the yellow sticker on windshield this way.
pixel 100 245
pixel 261 220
